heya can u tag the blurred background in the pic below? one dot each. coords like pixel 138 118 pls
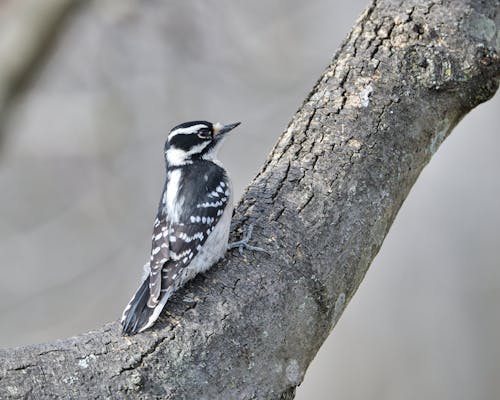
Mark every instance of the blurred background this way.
pixel 88 92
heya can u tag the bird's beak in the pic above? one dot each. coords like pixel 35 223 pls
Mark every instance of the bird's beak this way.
pixel 220 130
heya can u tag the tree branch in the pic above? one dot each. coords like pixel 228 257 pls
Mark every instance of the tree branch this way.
pixel 322 205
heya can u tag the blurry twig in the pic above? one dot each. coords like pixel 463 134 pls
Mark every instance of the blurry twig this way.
pixel 27 31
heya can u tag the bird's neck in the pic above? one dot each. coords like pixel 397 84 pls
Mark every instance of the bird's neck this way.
pixel 179 158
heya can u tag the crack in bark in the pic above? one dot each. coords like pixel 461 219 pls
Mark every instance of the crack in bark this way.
pixel 281 182
pixel 135 365
pixel 306 203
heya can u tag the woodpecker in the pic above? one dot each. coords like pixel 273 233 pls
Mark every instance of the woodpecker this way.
pixel 191 228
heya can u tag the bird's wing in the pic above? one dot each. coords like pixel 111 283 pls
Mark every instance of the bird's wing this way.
pixel 188 235
pixel 160 253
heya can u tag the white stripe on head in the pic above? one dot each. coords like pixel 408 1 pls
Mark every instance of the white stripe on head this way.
pixel 186 131
pixel 178 156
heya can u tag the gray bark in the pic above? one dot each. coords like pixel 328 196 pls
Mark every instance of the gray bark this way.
pixel 322 205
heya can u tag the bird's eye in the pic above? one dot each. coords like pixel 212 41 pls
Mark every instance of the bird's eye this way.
pixel 204 134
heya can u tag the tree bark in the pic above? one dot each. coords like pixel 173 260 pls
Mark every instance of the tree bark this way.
pixel 321 205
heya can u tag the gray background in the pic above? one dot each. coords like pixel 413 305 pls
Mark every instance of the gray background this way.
pixel 82 169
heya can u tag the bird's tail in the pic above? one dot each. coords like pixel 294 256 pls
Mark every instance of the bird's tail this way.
pixel 137 316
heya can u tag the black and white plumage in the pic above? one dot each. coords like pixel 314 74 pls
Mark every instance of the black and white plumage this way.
pixel 191 229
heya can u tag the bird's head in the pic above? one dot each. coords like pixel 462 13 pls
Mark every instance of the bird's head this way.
pixel 194 140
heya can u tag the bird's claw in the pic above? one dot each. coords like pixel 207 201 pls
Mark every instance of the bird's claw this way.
pixel 243 243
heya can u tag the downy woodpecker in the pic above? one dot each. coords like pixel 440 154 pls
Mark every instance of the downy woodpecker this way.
pixel 191 228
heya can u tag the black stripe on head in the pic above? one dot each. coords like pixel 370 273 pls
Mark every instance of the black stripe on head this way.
pixel 192 123
pixel 184 142
pixel 183 138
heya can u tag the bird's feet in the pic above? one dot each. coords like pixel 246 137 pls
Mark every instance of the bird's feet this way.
pixel 243 243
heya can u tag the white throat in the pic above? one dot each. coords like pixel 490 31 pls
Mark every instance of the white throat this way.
pixel 212 154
